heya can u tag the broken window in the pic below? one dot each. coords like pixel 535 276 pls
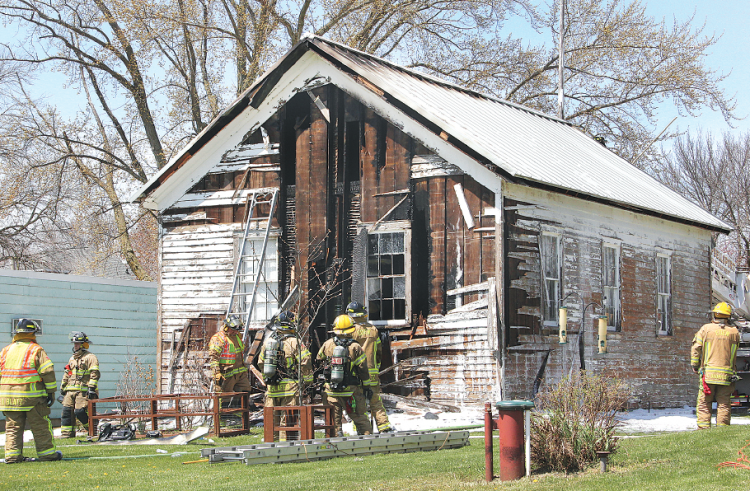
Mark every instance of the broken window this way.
pixel 387 291
pixel 664 294
pixel 550 252
pixel 611 285
pixel 266 296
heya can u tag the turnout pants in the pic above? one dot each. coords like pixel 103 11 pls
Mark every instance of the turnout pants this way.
pixel 75 406
pixel 361 423
pixel 41 428
pixel 722 394
pixel 376 408
pixel 281 419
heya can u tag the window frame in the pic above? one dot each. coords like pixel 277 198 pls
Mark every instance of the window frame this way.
pixel 667 296
pixel 616 299
pixel 394 227
pixel 543 253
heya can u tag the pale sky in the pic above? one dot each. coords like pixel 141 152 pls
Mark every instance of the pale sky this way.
pixel 730 54
pixel 728 18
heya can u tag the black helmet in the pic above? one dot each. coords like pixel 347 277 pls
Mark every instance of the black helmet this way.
pixel 356 309
pixel 26 325
pixel 286 321
pixel 79 337
pixel 233 321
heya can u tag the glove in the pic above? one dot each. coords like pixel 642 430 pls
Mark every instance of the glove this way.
pixel 91 394
pixel 218 378
pixel 50 399
pixel 368 393
pixel 63 392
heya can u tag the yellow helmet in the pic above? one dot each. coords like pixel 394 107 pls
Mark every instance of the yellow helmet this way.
pixel 722 309
pixel 343 324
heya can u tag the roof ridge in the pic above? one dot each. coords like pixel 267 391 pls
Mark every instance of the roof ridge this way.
pixel 312 38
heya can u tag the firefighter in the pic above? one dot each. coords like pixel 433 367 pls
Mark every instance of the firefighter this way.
pixel 79 384
pixel 27 391
pixel 713 356
pixel 368 337
pixel 287 369
pixel 347 369
pixel 226 357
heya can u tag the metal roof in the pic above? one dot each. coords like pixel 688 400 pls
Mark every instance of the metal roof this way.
pixel 516 142
pixel 526 144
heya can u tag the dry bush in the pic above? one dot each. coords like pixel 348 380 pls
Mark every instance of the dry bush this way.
pixel 136 380
pixel 575 419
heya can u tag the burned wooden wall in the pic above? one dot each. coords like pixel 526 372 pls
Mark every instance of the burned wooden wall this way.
pixel 656 366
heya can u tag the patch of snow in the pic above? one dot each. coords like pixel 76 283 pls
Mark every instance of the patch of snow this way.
pixel 637 421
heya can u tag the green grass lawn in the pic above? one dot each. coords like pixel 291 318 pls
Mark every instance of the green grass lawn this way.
pixel 685 460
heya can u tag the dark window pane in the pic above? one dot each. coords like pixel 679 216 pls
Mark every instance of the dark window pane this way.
pixel 372 244
pixel 386 265
pixel 372 266
pixel 387 310
pixel 399 309
pixel 398 264
pixel 387 285
pixel 374 310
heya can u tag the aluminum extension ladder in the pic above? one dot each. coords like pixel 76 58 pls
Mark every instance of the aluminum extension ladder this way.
pixel 254 200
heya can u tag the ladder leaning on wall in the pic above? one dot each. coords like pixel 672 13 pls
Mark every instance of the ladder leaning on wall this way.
pixel 254 200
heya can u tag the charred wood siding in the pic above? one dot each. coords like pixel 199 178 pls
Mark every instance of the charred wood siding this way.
pixel 458 256
pixel 655 366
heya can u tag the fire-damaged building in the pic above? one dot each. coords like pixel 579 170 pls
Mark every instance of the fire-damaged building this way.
pixel 464 223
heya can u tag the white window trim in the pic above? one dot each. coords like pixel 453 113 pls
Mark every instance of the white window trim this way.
pixel 389 227
pixel 668 257
pixel 558 237
pixel 609 244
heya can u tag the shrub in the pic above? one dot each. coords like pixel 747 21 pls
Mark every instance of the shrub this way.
pixel 575 419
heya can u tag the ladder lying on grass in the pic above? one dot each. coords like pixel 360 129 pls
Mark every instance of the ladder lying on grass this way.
pixel 255 199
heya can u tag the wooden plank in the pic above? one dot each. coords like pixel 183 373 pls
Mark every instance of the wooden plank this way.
pixel 455 251
pixel 303 194
pixel 436 227
pixel 318 173
pixel 476 287
pixel 369 180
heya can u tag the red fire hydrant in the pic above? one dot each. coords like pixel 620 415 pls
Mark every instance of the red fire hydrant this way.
pixel 510 423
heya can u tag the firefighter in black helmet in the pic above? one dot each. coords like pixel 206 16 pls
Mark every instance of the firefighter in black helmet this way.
pixel 287 368
pixel 79 384
pixel 368 337
pixel 347 369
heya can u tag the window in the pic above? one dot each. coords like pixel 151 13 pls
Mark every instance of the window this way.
pixel 664 294
pixel 266 297
pixel 550 252
pixel 387 291
pixel 611 285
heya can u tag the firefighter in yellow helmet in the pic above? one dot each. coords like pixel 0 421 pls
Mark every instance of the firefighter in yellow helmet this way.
pixel 368 337
pixel 226 357
pixel 27 391
pixel 79 384
pixel 287 368
pixel 713 356
pixel 346 369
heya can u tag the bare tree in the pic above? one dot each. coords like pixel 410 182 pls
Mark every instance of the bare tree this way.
pixel 151 75
pixel 620 66
pixel 713 173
